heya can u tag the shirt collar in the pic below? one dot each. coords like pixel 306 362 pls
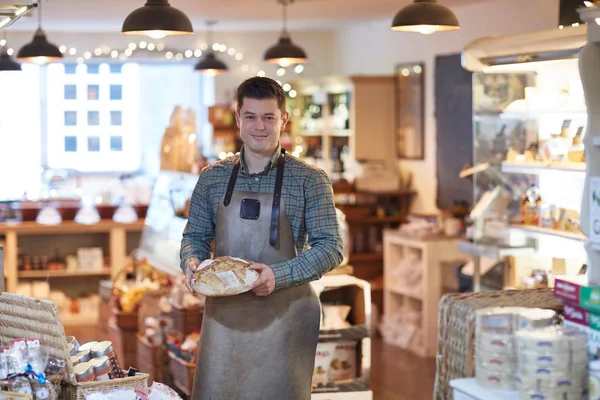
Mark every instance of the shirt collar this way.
pixel 272 163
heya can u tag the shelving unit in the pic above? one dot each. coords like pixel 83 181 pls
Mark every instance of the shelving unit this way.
pixel 537 231
pixel 369 102
pixel 14 234
pixel 356 293
pixel 413 285
pixel 366 232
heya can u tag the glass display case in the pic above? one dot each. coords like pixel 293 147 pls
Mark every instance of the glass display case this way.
pixel 529 121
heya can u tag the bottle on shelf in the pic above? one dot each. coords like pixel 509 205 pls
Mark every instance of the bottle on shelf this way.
pixel 530 206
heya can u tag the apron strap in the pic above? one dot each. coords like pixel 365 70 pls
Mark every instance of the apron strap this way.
pixel 277 199
pixel 231 184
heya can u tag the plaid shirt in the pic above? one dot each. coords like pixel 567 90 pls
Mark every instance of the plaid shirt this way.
pixel 309 205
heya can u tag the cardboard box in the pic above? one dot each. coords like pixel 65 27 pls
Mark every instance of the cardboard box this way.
pixel 575 290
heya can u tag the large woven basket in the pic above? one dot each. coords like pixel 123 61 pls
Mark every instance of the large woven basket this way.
pixel 456 329
pixel 26 317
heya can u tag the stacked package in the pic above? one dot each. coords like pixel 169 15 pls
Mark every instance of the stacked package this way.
pixel 552 363
pixel 496 347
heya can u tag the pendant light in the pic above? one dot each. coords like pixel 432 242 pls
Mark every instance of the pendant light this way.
pixel 6 61
pixel 426 17
pixel 285 53
pixel 39 50
pixel 209 64
pixel 157 19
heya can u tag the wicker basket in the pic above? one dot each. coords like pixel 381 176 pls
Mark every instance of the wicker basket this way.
pixel 183 374
pixel 26 317
pixel 456 329
pixel 154 359
pixel 187 320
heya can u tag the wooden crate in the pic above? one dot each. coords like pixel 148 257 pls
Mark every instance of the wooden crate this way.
pixel 125 344
pixel 187 320
pixel 183 374
pixel 152 359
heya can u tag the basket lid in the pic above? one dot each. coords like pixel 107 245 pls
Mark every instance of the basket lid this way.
pixel 26 317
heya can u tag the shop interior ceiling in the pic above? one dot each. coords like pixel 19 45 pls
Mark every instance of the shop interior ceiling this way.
pixel 233 15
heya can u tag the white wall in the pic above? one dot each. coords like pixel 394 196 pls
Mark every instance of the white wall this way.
pixel 371 48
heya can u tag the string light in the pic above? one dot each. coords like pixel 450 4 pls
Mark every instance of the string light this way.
pixel 169 54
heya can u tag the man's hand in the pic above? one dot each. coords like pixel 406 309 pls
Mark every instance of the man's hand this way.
pixel 191 265
pixel 265 284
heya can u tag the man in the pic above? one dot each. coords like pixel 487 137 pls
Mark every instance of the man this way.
pixel 278 212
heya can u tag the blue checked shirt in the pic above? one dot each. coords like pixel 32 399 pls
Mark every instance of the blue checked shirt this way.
pixel 309 205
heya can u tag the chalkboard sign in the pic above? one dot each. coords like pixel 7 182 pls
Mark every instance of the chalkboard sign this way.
pixel 454 127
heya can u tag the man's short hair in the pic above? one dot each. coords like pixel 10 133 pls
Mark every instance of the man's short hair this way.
pixel 261 88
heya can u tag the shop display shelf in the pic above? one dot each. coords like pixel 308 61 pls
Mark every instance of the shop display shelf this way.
pixel 415 292
pixel 494 248
pixel 357 332
pixel 536 231
pixel 63 274
pixel 356 385
pixel 539 168
pixel 69 227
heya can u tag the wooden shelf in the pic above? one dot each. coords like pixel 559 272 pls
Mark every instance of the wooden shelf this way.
pixel 408 292
pixel 435 252
pixel 69 227
pixel 62 274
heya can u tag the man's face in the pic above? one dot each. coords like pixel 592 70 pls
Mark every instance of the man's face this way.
pixel 260 122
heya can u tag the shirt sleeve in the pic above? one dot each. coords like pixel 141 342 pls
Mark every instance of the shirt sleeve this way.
pixel 324 237
pixel 199 230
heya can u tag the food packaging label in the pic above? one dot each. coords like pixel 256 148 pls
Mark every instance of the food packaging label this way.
pixel 343 364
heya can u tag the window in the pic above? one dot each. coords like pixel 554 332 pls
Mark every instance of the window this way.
pixel 93 133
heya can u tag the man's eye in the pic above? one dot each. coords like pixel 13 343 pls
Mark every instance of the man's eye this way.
pixel 249 117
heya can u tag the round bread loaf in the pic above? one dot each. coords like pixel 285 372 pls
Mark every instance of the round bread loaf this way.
pixel 224 276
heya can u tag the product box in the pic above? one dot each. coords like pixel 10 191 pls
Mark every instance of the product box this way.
pixel 587 322
pixel 575 290
pixel 576 317
pixel 334 362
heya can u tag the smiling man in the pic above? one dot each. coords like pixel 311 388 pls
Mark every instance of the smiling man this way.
pixel 279 212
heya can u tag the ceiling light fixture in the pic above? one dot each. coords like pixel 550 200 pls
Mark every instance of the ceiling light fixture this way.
pixel 285 53
pixel 39 50
pixel 7 63
pixel 209 64
pixel 426 17
pixel 157 19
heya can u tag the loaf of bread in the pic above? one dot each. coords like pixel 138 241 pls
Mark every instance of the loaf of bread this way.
pixel 224 276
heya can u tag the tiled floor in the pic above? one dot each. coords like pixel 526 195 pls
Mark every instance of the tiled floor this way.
pixel 396 374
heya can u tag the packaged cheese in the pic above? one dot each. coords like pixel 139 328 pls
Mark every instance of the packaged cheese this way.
pixel 551 340
pixel 510 319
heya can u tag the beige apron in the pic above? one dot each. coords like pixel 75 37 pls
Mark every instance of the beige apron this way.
pixel 257 348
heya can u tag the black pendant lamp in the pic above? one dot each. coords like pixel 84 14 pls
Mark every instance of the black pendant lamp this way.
pixel 285 53
pixel 39 50
pixel 426 17
pixel 209 64
pixel 7 63
pixel 157 19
